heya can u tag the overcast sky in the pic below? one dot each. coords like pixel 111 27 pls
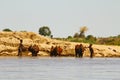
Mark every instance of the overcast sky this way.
pixel 63 17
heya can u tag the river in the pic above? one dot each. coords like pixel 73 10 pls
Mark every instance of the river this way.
pixel 59 68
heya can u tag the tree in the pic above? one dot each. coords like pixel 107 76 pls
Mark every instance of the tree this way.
pixel 89 37
pixel 7 30
pixel 118 36
pixel 69 37
pixel 45 31
pixel 82 31
pixel 76 35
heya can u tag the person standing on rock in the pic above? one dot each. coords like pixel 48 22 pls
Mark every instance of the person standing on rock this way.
pixel 20 48
pixel 91 51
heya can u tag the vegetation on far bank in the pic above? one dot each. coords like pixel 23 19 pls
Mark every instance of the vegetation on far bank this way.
pixel 80 36
pixel 114 40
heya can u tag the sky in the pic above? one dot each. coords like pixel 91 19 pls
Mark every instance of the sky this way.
pixel 63 17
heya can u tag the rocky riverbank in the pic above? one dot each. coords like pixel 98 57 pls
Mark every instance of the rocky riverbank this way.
pixel 9 42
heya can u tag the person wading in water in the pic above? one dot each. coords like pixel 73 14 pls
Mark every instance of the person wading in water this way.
pixel 20 48
pixel 91 51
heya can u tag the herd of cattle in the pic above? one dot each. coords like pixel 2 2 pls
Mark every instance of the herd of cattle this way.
pixel 79 50
pixel 55 51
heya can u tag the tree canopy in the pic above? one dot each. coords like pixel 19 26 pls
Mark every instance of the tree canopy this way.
pixel 45 31
pixel 7 30
pixel 82 31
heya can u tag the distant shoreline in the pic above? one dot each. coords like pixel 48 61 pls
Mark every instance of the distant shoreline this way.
pixel 9 46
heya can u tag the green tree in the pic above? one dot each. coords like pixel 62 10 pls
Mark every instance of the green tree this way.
pixel 45 31
pixel 7 30
pixel 118 36
pixel 76 35
pixel 82 31
pixel 90 37
pixel 69 37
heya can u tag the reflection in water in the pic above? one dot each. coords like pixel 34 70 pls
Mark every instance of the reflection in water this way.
pixel 63 68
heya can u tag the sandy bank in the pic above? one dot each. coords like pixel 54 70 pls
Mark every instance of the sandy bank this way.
pixel 9 42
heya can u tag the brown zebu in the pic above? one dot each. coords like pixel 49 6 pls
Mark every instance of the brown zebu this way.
pixel 79 50
pixel 56 51
pixel 34 49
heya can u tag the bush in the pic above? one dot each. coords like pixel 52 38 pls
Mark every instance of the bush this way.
pixel 7 30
